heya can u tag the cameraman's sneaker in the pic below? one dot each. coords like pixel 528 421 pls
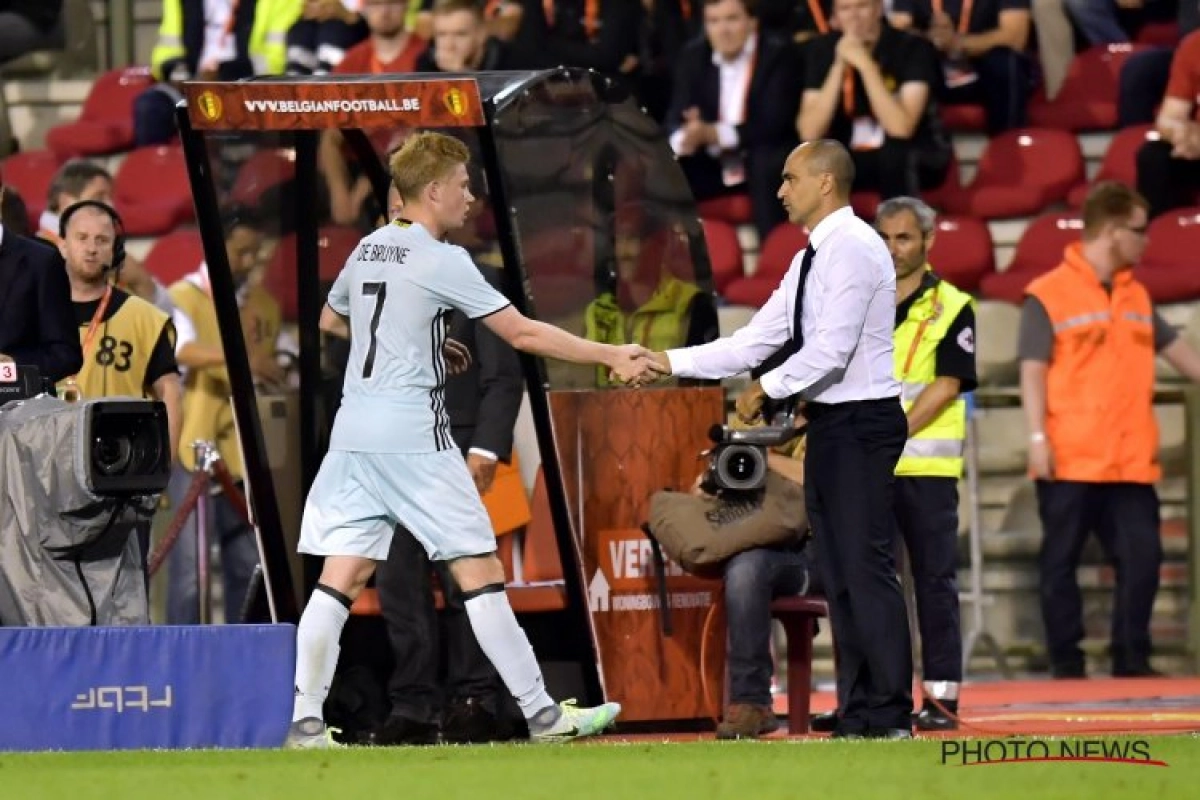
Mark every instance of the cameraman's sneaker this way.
pixel 573 722
pixel 310 733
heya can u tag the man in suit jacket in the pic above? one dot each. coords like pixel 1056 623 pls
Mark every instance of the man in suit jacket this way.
pixel 726 143
pixel 483 403
pixel 37 320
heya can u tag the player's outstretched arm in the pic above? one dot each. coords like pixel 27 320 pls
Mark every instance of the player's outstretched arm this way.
pixel 629 363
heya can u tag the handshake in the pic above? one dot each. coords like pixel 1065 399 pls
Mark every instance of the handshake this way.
pixel 635 365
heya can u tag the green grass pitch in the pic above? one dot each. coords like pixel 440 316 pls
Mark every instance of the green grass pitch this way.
pixel 787 770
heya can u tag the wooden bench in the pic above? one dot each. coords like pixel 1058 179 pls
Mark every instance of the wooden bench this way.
pixel 535 586
pixel 798 615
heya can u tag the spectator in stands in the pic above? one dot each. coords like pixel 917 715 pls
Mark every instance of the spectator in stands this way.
pixel 726 142
pixel 14 214
pixel 77 180
pixel 982 45
pixel 209 40
pixel 1144 75
pixel 461 41
pixel 1055 42
pixel 128 345
pixel 872 88
pixel 37 322
pixel 29 25
pixel 1087 343
pixel 318 41
pixel 389 48
pixel 598 34
pixel 1168 168
pixel 208 414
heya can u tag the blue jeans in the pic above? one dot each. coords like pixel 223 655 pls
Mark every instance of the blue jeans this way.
pixel 1097 21
pixel 753 578
pixel 239 555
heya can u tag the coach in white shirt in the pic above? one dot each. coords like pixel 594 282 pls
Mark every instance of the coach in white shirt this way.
pixel 826 335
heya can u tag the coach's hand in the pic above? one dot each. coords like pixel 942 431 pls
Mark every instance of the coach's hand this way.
pixel 457 356
pixel 635 365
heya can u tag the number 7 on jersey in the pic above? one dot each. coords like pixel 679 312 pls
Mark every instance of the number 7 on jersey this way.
pixel 378 290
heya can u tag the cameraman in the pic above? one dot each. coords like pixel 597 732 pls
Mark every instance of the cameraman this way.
pixel 752 577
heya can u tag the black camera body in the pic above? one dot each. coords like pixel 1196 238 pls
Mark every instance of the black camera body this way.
pixel 128 447
pixel 738 459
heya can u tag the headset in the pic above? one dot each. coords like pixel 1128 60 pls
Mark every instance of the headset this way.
pixel 118 248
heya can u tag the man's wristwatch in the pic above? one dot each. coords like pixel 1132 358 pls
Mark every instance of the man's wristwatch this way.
pixel 1037 436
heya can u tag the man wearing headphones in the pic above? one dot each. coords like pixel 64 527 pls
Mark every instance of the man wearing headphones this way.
pixel 128 344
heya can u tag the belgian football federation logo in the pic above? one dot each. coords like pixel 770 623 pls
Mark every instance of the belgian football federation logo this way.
pixel 210 106
pixel 456 102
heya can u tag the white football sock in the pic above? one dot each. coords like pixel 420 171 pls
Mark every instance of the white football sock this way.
pixel 505 644
pixel 317 650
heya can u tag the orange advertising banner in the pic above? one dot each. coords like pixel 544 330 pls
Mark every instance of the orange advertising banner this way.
pixel 285 106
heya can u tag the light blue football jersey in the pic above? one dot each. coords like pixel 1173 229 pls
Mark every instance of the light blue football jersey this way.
pixel 397 288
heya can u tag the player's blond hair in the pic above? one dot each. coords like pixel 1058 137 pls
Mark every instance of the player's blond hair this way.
pixel 424 158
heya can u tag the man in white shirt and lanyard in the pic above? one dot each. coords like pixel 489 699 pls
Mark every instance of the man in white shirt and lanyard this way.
pixel 837 303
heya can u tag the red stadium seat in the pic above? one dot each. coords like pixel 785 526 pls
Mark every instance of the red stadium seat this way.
pixel 962 252
pixel 1039 250
pixel 944 196
pixel 1169 268
pixel 864 204
pixel 1159 34
pixel 1120 161
pixel 105 124
pixel 1021 173
pixel 781 246
pixel 731 208
pixel 724 252
pixel 30 173
pixel 334 245
pixel 175 255
pixel 152 192
pixel 264 170
pixel 1088 99
pixel 965 118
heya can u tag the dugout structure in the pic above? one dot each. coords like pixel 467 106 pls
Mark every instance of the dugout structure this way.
pixel 585 209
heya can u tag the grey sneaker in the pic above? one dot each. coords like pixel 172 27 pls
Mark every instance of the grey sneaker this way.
pixel 575 723
pixel 310 733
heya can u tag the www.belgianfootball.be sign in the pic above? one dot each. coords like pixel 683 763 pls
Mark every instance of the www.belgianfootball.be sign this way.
pixel 346 103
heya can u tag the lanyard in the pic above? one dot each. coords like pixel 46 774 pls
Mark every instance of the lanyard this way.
pixel 591 15
pixel 818 15
pixel 94 325
pixel 934 313
pixel 964 13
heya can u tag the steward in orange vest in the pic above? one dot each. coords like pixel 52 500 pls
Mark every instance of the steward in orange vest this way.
pixel 1087 344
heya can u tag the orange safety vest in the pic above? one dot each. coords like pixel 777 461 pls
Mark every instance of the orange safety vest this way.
pixel 1100 383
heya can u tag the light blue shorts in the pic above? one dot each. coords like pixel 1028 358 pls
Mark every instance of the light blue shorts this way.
pixel 358 498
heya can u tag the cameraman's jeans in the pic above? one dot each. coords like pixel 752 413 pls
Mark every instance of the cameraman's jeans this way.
pixel 753 578
pixel 239 554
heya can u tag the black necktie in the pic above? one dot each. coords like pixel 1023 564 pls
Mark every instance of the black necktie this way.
pixel 793 345
pixel 805 267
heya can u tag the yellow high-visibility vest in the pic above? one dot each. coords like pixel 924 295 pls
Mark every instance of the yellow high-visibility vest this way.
pixel 936 450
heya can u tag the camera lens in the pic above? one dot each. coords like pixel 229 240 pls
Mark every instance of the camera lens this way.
pixel 741 467
pixel 112 455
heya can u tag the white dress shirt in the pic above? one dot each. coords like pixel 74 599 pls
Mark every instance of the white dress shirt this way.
pixel 849 316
